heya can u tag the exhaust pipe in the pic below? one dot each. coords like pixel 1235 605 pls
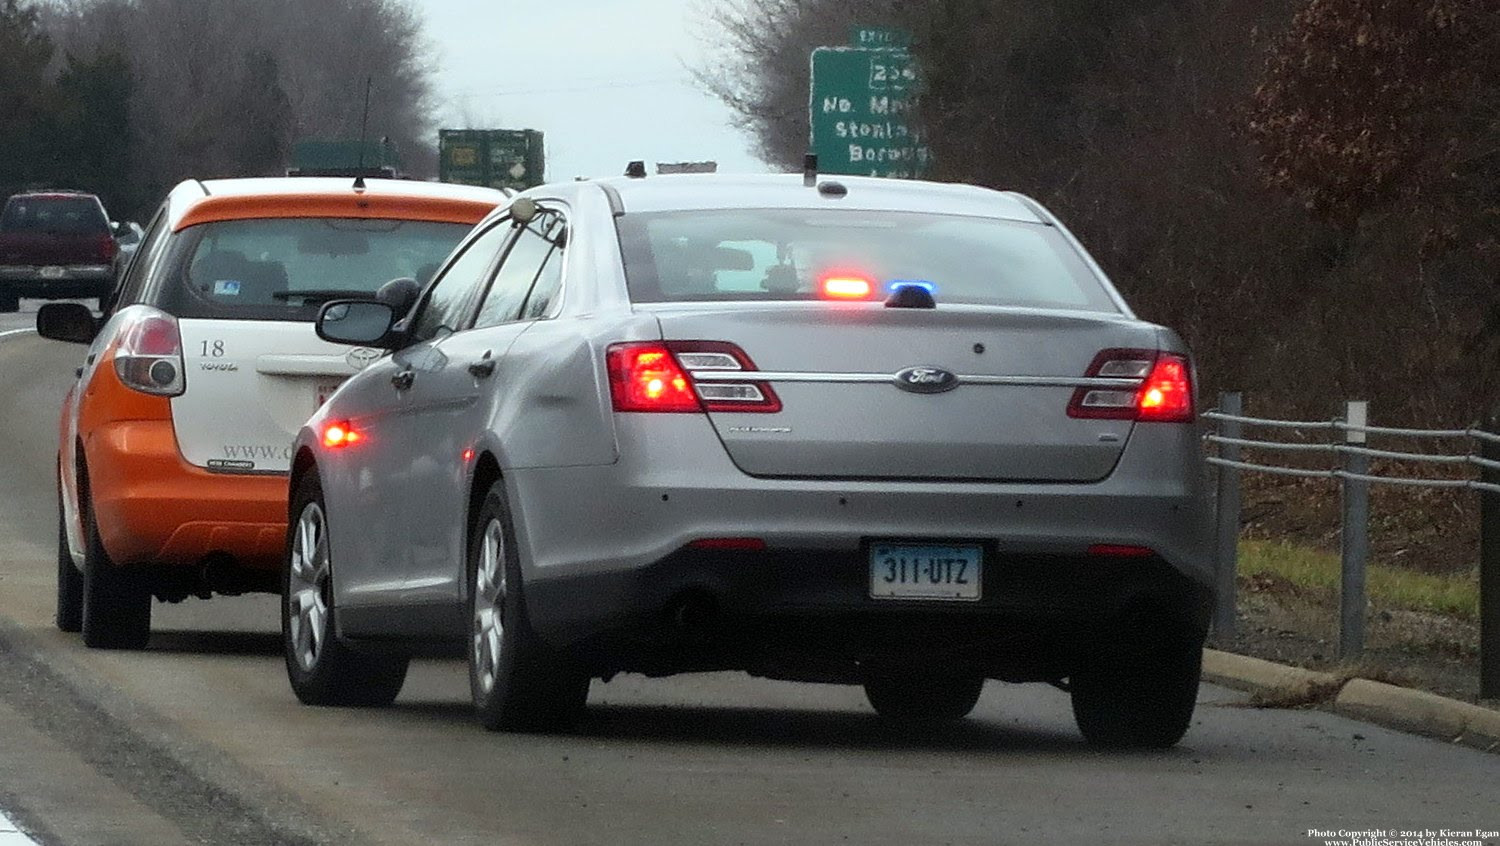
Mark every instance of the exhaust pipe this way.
pixel 692 612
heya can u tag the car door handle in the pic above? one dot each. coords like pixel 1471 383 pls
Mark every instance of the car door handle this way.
pixel 483 368
pixel 404 379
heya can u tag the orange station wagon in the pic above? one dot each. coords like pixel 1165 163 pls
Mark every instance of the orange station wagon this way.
pixel 175 441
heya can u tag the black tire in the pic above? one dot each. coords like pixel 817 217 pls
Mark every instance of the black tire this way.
pixel 116 601
pixel 921 697
pixel 69 580
pixel 322 669
pixel 1139 691
pixel 9 302
pixel 517 683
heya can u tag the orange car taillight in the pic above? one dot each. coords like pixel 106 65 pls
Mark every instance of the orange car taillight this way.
pixel 148 356
pixel 1164 395
pixel 686 377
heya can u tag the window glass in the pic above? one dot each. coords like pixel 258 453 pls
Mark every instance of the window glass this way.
pixel 57 214
pixel 146 255
pixel 785 254
pixel 443 309
pixel 544 290
pixel 520 269
pixel 286 268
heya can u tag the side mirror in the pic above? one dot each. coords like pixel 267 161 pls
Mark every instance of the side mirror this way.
pixel 400 294
pixel 71 322
pixel 363 322
pixel 119 228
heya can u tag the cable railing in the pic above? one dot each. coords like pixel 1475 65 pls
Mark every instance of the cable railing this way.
pixel 1347 447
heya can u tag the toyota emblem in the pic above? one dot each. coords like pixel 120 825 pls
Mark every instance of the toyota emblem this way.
pixel 360 357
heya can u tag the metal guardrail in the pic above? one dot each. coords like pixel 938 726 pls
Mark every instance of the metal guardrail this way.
pixel 1355 478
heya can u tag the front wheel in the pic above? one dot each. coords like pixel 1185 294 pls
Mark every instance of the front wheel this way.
pixel 322 669
pixel 1139 691
pixel 517 682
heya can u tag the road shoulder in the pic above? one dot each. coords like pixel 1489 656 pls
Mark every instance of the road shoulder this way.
pixel 1404 709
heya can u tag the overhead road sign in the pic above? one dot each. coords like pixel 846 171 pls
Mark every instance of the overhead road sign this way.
pixel 497 158
pixel 862 113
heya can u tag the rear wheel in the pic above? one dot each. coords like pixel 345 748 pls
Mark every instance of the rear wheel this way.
pixel 517 682
pixel 922 697
pixel 322 669
pixel 1140 690
pixel 116 612
pixel 69 580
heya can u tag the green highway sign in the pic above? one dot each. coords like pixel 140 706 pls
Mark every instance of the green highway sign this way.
pixel 498 158
pixel 861 113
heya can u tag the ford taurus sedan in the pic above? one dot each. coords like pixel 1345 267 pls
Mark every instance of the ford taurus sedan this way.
pixel 897 434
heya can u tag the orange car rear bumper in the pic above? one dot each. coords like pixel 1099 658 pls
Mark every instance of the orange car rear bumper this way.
pixel 153 507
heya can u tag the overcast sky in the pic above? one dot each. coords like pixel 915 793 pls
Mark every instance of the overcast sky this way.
pixel 604 79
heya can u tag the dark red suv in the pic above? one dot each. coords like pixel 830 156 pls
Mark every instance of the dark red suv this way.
pixel 55 245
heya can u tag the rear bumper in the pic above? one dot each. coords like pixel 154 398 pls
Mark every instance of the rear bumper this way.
pixel 86 281
pixel 154 508
pixel 807 614
pixel 603 548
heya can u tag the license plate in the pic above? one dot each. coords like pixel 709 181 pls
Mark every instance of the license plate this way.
pixel 325 390
pixel 52 272
pixel 925 571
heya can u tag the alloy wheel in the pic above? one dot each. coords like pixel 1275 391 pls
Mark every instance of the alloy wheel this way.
pixel 489 601
pixel 307 605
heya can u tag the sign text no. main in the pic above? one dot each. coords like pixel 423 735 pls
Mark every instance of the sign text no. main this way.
pixel 861 113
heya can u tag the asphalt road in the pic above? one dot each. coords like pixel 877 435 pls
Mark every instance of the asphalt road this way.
pixel 198 739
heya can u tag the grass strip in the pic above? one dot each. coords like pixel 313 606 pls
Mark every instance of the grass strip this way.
pixel 1388 588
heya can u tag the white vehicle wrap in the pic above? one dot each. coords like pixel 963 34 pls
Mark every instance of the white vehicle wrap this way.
pixel 250 384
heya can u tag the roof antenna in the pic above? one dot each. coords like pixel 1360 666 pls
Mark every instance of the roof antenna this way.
pixel 364 125
pixel 810 170
pixel 636 170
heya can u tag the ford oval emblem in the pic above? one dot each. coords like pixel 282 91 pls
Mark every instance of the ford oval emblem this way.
pixel 926 380
pixel 360 357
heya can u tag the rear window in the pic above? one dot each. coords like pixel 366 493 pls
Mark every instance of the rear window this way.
pixel 285 269
pixel 786 254
pixel 54 215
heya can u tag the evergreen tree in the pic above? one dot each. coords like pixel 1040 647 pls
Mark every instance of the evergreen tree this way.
pixel 25 94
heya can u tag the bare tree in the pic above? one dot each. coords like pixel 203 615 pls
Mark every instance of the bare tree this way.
pixel 227 87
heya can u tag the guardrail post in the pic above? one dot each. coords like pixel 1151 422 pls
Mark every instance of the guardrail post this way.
pixel 1354 534
pixel 1227 511
pixel 1489 570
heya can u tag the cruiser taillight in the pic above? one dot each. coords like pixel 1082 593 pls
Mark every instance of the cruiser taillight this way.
pixel 686 376
pixel 1156 387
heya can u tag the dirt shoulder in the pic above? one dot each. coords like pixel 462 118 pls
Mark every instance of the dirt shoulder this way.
pixel 1279 622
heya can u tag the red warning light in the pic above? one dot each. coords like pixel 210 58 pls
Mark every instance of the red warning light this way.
pixel 844 286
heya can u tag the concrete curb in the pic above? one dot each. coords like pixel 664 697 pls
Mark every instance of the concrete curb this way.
pixel 1404 709
pixel 1260 676
pixel 1420 712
